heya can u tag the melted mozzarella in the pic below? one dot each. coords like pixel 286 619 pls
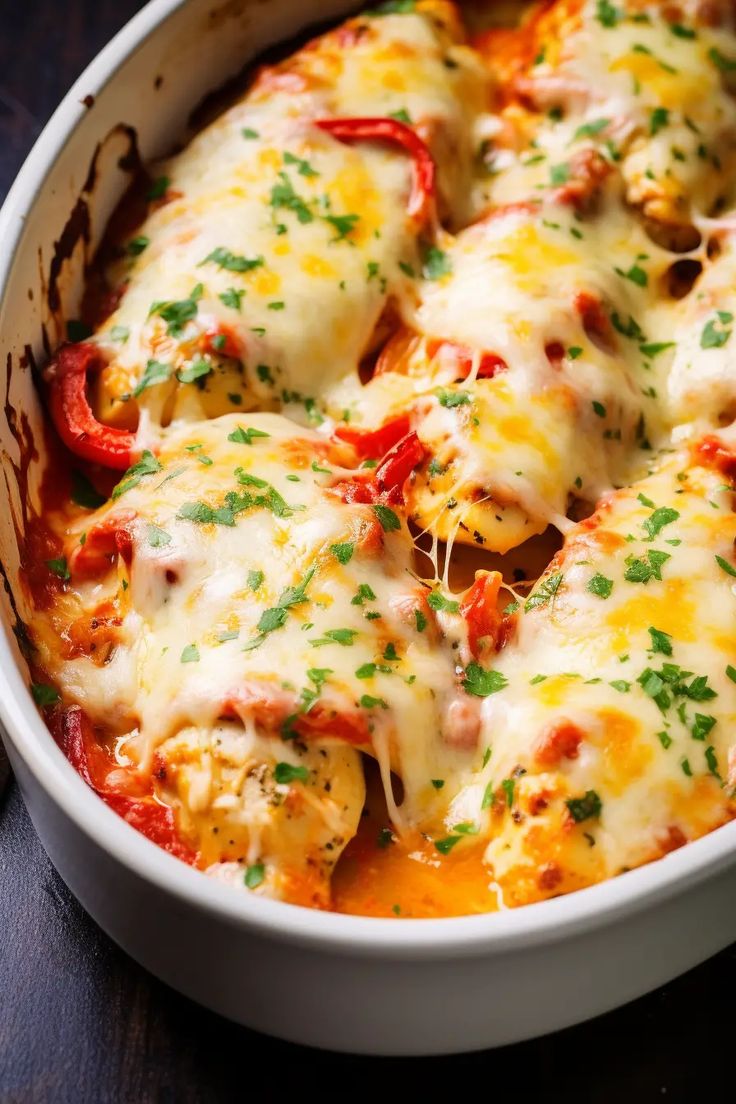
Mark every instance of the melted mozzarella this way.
pixel 653 99
pixel 612 735
pixel 281 239
pixel 255 593
pixel 573 407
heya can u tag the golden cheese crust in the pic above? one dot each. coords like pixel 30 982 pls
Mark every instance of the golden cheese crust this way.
pixel 417 374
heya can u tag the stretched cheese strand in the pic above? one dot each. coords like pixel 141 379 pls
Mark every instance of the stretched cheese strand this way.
pixel 649 85
pixel 610 717
pixel 272 247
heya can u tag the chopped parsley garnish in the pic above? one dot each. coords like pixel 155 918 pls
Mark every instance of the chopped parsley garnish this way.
pixel 607 14
pixel 247 436
pixel 702 725
pixel 83 493
pixel 284 773
pixel 661 641
pixel 662 516
pixel 255 578
pixel 249 132
pixel 725 64
pixel 589 130
pixel 438 783
pixel 345 637
pixel 646 568
pixel 156 536
pixel 446 844
pixel 654 348
pixel 177 312
pixel 369 702
pixel 364 594
pixel 436 264
pixel 232 298
pixel 600 586
pixel 120 334
pixel 304 168
pixel 59 568
pixel 583 808
pixel 190 654
pixel 44 695
pixel 450 399
pixel 714 334
pixel 726 566
pixel 482 683
pixel 545 592
pixel 136 245
pixel 437 601
pixel 147 465
pixel 559 174
pixel 386 516
pixel 233 262
pixel 508 785
pixel 574 352
pixel 621 685
pixel 343 225
pixel 284 197
pixel 155 372
pixel 659 118
pixel 196 370
pixel 343 553
pixel 254 875
pixel 636 274
pixel 159 188
pixel 420 619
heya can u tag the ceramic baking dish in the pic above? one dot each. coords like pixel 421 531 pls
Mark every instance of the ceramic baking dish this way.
pixel 349 983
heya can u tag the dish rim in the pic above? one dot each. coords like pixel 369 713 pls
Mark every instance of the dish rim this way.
pixel 507 930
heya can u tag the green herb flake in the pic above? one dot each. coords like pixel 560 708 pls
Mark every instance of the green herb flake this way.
pixel 285 773
pixel 343 553
pixel 436 264
pixel 147 465
pixel 600 586
pixel 190 654
pixel 254 875
pixel 482 683
pixel 44 695
pixel 584 808
pixel 388 519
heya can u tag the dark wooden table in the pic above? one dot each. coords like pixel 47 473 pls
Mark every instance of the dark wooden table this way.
pixel 81 1022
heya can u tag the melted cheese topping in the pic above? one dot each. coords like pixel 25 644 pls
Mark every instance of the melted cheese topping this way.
pixel 245 619
pixel 281 241
pixel 611 731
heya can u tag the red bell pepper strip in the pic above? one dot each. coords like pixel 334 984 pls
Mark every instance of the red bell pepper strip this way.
pixel 712 452
pixel 398 464
pixel 479 607
pixel 373 443
pixel 73 417
pixel 74 734
pixel 391 130
pixel 489 365
pixel 386 483
pixel 103 541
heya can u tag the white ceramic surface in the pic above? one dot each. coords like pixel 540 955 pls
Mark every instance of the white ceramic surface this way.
pixel 373 986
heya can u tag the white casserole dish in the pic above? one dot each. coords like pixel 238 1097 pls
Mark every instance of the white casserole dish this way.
pixel 348 983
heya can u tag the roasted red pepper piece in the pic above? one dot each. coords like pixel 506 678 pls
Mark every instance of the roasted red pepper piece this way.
pixel 391 130
pixel 73 417
pixel 398 464
pixel 480 609
pixel 373 443
pixel 74 734
pixel 489 364
pixel 386 483
pixel 104 540
pixel 222 342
